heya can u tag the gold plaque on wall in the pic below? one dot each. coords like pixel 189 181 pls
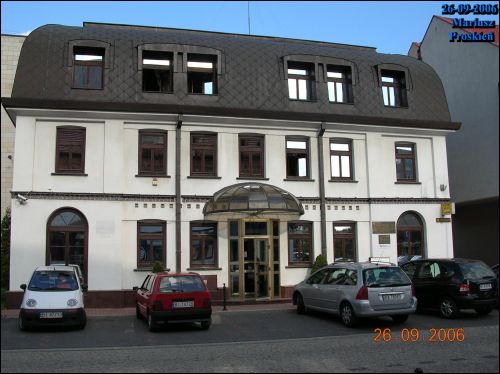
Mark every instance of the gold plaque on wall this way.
pixel 384 227
pixel 384 239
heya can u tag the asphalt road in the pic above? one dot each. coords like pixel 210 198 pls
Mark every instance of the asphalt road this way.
pixel 257 341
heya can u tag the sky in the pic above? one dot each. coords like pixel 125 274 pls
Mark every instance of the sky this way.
pixel 389 26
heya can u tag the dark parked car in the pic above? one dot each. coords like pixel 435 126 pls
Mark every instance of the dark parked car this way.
pixel 453 284
pixel 173 297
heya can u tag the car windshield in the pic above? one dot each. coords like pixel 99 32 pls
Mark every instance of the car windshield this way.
pixel 476 270
pixel 181 284
pixel 385 277
pixel 53 281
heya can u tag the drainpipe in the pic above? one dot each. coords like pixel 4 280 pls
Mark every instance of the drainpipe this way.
pixel 178 194
pixel 322 208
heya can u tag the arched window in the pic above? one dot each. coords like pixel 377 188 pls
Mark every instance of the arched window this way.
pixel 410 235
pixel 67 238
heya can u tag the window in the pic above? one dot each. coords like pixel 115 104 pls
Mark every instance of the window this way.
pixel 297 158
pixel 317 277
pixel 300 243
pixel 393 88
pixel 156 71
pixel 152 153
pixel 202 74
pixel 251 156
pixel 67 234
pixel 88 67
pixel 405 162
pixel 150 243
pixel 339 84
pixel 344 242
pixel 429 270
pixel 301 81
pixel 204 154
pixel 203 244
pixel 341 159
pixel 70 150
pixel 410 235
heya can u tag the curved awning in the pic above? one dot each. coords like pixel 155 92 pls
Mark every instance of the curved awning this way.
pixel 253 198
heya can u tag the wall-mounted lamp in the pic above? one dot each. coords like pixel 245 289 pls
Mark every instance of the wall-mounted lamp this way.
pixel 155 182
pixel 442 187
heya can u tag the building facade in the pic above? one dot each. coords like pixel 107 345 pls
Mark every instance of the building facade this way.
pixel 239 157
pixel 469 72
pixel 11 47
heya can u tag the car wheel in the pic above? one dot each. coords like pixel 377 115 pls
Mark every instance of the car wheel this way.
pixel 347 315
pixel 138 312
pixel 205 325
pixel 483 310
pixel 301 308
pixel 448 308
pixel 400 318
pixel 20 323
pixel 151 323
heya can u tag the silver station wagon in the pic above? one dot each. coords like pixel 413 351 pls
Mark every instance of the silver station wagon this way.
pixel 357 289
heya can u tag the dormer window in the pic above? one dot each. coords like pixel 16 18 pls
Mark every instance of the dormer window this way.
pixel 393 88
pixel 339 84
pixel 301 81
pixel 202 74
pixel 88 68
pixel 157 71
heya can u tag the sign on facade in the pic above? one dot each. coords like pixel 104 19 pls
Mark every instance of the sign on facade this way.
pixel 384 227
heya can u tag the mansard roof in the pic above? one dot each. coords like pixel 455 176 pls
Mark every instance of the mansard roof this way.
pixel 252 80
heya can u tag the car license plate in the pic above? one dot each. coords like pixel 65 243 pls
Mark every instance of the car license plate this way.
pixel 51 315
pixel 183 304
pixel 485 287
pixel 392 297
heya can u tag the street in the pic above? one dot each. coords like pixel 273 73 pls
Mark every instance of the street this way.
pixel 255 341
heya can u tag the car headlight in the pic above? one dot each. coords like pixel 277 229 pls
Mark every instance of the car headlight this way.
pixel 31 303
pixel 72 302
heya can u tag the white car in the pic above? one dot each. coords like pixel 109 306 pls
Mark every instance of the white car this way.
pixel 54 296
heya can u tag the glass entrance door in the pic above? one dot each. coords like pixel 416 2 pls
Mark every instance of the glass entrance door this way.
pixel 256 267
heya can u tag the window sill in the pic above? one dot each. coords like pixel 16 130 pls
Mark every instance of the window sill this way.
pixel 303 101
pixel 253 178
pixel 88 88
pixel 308 266
pixel 152 176
pixel 298 180
pixel 71 174
pixel 157 92
pixel 407 182
pixel 202 94
pixel 203 269
pixel 202 177
pixel 342 181
pixel 144 269
pixel 344 103
pixel 394 106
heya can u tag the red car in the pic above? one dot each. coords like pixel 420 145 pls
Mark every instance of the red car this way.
pixel 173 298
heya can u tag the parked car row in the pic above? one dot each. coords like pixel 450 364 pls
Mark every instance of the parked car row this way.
pixel 356 290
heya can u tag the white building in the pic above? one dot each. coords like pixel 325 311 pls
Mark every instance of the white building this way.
pixel 238 157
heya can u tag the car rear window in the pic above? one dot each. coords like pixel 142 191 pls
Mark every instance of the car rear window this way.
pixel 476 270
pixel 385 277
pixel 181 284
pixel 53 281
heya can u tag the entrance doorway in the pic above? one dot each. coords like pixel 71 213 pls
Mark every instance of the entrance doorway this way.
pixel 254 259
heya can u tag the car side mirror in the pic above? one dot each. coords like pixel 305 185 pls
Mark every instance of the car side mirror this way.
pixel 23 287
pixel 135 288
pixel 85 288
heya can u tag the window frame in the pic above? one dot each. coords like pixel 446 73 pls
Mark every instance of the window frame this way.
pixel 310 79
pixel 203 148
pixel 348 153
pixel 164 148
pixel 295 236
pixel 60 146
pixel 399 85
pixel 84 50
pixel 345 236
pixel 411 229
pixel 207 58
pixel 412 156
pixel 252 150
pixel 141 264
pixel 345 81
pixel 306 152
pixel 169 68
pixel 193 237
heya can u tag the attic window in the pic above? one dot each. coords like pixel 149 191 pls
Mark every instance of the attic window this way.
pixel 202 74
pixel 301 81
pixel 156 71
pixel 393 88
pixel 339 84
pixel 88 67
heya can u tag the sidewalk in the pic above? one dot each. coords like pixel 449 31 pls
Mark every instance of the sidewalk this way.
pixel 118 312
